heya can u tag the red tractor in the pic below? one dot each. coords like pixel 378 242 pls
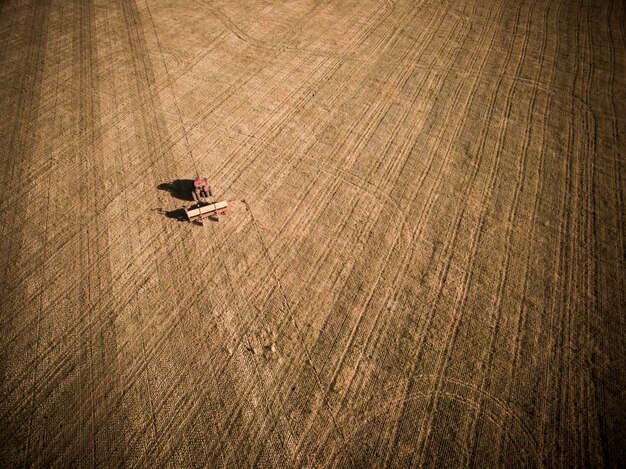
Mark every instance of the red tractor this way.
pixel 201 190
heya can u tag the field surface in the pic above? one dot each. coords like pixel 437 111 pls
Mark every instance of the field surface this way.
pixel 423 261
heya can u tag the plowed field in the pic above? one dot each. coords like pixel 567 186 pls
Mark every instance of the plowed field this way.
pixel 423 261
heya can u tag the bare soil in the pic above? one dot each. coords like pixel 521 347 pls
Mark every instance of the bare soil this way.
pixel 423 264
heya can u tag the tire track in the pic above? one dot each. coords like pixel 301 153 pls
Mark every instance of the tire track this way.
pixel 455 390
pixel 511 219
pixel 373 289
pixel 304 100
pixel 376 321
pixel 475 241
pixel 283 47
pixel 373 328
pixel 523 314
pixel 402 225
pixel 560 306
pixel 426 210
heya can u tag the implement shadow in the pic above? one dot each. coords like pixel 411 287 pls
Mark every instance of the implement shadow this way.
pixel 177 215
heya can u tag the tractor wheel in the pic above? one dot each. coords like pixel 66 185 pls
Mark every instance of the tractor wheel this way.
pixel 195 196
pixel 209 189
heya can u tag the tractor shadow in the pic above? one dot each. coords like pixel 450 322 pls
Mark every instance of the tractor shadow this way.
pixel 179 189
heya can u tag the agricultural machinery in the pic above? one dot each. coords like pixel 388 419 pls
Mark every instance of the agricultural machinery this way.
pixel 204 206
pixel 201 190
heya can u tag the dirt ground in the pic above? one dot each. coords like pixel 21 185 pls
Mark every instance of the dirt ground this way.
pixel 423 264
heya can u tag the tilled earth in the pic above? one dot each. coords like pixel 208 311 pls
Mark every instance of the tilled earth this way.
pixel 423 261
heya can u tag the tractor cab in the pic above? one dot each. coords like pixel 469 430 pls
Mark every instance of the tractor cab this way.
pixel 201 190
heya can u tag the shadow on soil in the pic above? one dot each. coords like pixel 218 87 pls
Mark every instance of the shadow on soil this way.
pixel 178 214
pixel 178 188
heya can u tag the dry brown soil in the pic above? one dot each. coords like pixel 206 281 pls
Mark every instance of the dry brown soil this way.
pixel 424 260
